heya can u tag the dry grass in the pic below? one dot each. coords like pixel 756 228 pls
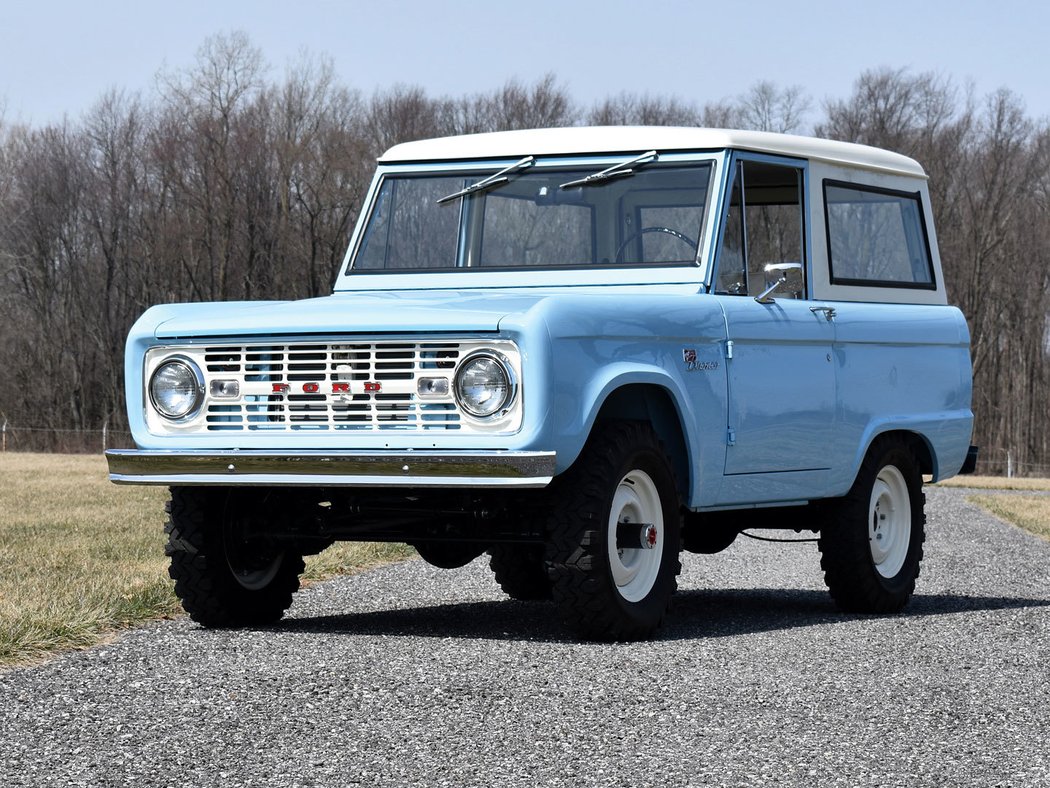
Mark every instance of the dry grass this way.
pixel 81 557
pixel 996 483
pixel 1031 512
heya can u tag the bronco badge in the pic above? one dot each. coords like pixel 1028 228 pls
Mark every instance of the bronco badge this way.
pixel 694 365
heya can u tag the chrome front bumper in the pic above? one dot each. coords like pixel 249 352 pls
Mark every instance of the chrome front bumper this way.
pixel 520 469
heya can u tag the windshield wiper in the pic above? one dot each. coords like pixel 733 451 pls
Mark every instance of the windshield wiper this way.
pixel 491 182
pixel 621 170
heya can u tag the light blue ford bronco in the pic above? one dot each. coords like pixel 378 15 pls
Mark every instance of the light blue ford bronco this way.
pixel 581 350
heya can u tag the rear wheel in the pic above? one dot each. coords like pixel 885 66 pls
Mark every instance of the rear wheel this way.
pixel 521 571
pixel 871 548
pixel 224 575
pixel 615 535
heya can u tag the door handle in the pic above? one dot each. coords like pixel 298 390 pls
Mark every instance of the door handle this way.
pixel 829 311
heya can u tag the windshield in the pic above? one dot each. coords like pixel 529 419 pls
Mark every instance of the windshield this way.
pixel 650 216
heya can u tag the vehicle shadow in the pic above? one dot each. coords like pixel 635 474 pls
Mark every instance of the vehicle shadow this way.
pixel 698 614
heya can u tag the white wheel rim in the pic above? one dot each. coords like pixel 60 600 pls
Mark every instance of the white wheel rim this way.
pixel 889 522
pixel 250 577
pixel 636 500
pixel 256 579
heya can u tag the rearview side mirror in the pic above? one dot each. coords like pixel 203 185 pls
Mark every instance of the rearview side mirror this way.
pixel 787 272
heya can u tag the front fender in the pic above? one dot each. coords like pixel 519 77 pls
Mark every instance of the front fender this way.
pixel 698 416
pixel 609 379
pixel 673 343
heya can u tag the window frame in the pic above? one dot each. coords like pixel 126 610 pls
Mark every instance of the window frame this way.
pixel 729 177
pixel 472 212
pixel 915 196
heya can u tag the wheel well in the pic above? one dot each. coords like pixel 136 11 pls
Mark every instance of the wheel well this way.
pixel 644 402
pixel 918 445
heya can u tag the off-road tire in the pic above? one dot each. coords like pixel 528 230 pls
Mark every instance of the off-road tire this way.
pixel 851 570
pixel 521 571
pixel 580 551
pixel 200 566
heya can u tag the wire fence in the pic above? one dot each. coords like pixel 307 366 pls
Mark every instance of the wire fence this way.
pixel 20 438
pixel 1033 470
pixel 1003 462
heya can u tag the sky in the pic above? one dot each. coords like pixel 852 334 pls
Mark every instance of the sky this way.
pixel 57 57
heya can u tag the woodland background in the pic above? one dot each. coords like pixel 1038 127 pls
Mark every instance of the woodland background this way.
pixel 225 183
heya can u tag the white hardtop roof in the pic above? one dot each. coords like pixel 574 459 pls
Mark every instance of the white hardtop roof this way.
pixel 598 140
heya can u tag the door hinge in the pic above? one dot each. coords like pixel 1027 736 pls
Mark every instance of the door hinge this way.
pixel 731 437
pixel 729 348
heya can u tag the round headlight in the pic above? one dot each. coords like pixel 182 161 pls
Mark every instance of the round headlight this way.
pixel 483 386
pixel 176 388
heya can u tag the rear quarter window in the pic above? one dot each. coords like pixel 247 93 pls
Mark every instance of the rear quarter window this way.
pixel 876 237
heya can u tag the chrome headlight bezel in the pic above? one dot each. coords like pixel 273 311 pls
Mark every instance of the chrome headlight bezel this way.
pixel 504 403
pixel 197 378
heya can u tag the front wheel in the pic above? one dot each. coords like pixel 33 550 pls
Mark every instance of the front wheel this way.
pixel 225 575
pixel 615 535
pixel 871 548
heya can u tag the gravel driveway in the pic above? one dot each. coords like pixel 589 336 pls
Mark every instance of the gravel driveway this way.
pixel 408 675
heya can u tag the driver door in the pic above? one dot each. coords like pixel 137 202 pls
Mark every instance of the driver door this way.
pixel 781 373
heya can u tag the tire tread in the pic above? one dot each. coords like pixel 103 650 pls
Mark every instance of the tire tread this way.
pixel 578 571
pixel 849 573
pixel 521 571
pixel 204 583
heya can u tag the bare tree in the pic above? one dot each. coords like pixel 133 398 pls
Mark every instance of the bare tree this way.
pixel 630 109
pixel 47 245
pixel 115 191
pixel 323 170
pixel 401 114
pixel 513 106
pixel 204 106
pixel 767 107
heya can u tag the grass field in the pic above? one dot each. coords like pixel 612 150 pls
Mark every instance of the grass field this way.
pixel 81 558
pixel 1031 512
pixel 997 483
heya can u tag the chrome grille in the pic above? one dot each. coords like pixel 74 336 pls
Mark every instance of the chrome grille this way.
pixel 329 386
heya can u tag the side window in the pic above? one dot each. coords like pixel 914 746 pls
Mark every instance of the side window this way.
pixel 876 237
pixel 764 232
pixel 732 262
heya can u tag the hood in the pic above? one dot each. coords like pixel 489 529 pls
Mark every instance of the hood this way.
pixel 371 312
